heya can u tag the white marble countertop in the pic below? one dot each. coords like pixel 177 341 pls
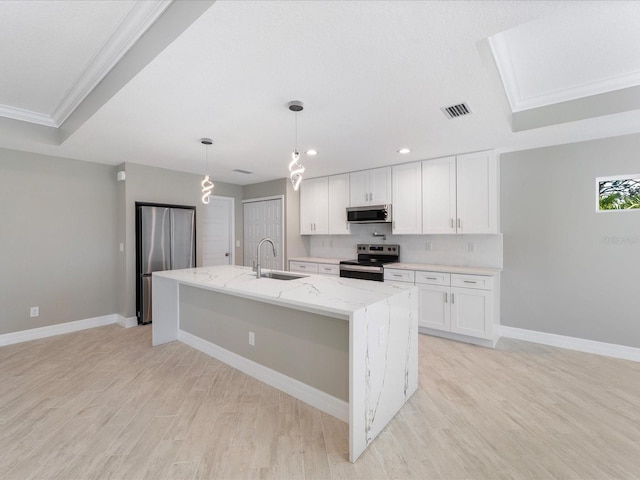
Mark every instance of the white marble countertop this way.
pixel 445 268
pixel 327 295
pixel 332 261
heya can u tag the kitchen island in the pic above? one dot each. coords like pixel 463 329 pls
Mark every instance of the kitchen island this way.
pixel 347 347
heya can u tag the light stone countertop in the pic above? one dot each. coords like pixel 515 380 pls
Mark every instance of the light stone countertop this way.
pixel 327 295
pixel 332 261
pixel 445 268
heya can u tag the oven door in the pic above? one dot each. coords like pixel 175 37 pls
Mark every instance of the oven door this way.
pixel 362 272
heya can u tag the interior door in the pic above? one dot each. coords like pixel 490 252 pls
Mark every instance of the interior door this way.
pixel 217 238
pixel 263 218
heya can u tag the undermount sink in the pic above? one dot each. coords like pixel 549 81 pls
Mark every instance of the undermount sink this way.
pixel 282 275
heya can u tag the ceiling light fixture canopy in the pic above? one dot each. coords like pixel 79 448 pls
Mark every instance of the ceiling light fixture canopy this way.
pixel 295 169
pixel 207 184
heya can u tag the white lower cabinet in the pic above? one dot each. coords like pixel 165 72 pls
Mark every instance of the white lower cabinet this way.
pixel 450 302
pixel 434 309
pixel 303 267
pixel 472 312
pixel 314 268
pixel 328 269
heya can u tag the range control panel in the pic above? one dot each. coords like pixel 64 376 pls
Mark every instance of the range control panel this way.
pixel 379 249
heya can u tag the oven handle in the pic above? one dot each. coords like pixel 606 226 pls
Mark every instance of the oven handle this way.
pixel 360 268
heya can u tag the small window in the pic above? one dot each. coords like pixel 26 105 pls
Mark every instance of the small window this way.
pixel 619 193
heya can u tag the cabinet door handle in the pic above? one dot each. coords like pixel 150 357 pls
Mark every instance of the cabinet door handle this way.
pixel 453 300
pixel 470 281
pixel 446 300
pixel 397 275
pixel 452 223
pixel 431 278
pixel 459 223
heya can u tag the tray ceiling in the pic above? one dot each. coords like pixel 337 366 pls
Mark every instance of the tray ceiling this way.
pixel 373 75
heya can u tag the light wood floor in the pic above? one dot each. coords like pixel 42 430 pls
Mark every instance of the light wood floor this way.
pixel 102 403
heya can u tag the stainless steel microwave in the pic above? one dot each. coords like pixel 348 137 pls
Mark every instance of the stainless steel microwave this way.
pixel 369 214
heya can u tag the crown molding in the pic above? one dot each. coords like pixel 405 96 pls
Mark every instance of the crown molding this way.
pixel 132 26
pixel 141 16
pixel 15 113
pixel 504 63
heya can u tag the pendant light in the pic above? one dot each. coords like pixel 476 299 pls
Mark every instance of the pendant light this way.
pixel 207 184
pixel 295 169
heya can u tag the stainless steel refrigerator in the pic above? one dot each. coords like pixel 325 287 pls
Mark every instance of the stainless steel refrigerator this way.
pixel 165 240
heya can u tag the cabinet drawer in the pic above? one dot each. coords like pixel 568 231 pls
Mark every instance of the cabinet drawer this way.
pixel 433 278
pixel 481 282
pixel 303 267
pixel 397 275
pixel 328 269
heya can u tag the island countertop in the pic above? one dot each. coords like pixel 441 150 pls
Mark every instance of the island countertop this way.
pixel 330 295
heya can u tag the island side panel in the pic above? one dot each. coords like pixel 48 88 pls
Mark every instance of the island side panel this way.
pixel 305 346
pixel 384 366
pixel 164 304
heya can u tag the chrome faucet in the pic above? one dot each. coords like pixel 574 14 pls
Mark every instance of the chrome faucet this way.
pixel 258 255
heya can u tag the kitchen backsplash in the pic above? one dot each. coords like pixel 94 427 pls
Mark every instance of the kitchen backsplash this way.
pixel 461 250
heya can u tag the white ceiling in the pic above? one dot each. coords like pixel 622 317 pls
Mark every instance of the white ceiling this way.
pixel 372 75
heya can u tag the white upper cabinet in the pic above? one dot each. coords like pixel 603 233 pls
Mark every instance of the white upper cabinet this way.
pixel 314 201
pixel 370 187
pixel 406 206
pixel 477 182
pixel 460 194
pixel 338 203
pixel 439 195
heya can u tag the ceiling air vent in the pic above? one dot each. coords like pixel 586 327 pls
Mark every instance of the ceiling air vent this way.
pixel 242 171
pixel 455 111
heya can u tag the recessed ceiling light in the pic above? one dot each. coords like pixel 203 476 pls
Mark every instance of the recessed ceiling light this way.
pixel 404 150
pixel 312 152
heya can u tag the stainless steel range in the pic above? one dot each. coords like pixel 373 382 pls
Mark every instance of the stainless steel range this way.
pixel 370 262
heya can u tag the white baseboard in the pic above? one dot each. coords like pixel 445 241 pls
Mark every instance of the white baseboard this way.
pixel 59 329
pixel 127 322
pixel 490 343
pixel 572 343
pixel 314 397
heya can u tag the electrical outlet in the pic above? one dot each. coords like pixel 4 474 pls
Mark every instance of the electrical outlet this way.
pixel 122 247
pixel 252 339
pixel 237 243
pixel 472 247
pixel 35 311
pixel 427 246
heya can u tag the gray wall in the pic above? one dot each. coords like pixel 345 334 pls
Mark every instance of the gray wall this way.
pixel 58 246
pixel 569 270
pixel 158 185
pixel 306 346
